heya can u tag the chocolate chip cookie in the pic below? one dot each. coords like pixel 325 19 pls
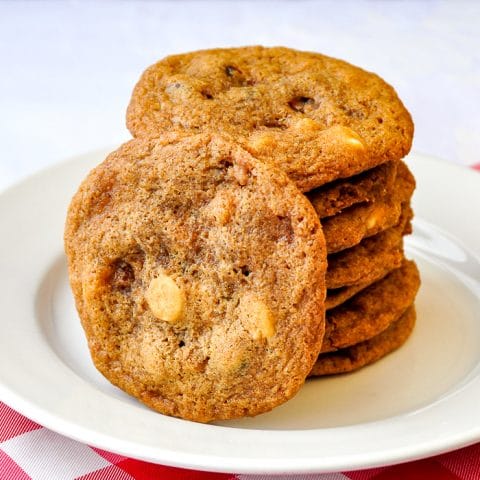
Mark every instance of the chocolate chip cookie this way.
pixel 199 276
pixel 372 258
pixel 366 187
pixel 315 117
pixel 372 310
pixel 355 223
pixel 369 351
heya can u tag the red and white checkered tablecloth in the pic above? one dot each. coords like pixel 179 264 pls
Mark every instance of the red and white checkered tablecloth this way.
pixel 29 451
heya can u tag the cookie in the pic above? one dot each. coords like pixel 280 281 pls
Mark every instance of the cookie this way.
pixel 369 186
pixel 351 226
pixel 355 223
pixel 405 181
pixel 180 306
pixel 372 310
pixel 369 351
pixel 337 296
pixel 315 117
pixel 372 258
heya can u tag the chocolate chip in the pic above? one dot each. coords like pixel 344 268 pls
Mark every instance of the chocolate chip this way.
pixel 245 271
pixel 274 123
pixel 230 70
pixel 226 163
pixel 298 103
pixel 122 275
pixel 237 78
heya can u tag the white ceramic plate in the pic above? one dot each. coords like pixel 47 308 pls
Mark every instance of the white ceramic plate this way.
pixel 421 400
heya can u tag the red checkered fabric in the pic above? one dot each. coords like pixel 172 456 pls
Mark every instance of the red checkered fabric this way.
pixel 31 452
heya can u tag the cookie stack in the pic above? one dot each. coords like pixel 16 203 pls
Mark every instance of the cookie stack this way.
pixel 339 133
pixel 250 235
pixel 371 287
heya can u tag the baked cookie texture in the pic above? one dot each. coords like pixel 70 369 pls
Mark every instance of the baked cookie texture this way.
pixel 198 267
pixel 369 351
pixel 352 225
pixel 317 118
pixel 180 306
pixel 372 310
pixel 372 258
pixel 337 296
pixel 372 185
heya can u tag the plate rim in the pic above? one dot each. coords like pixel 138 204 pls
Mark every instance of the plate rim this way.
pixel 64 427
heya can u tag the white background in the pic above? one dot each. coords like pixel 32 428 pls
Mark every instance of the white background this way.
pixel 67 68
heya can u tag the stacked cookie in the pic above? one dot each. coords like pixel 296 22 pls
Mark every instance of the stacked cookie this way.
pixel 339 133
pixel 371 287
pixel 250 235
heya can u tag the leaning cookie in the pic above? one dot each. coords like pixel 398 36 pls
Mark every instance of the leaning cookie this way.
pixel 315 117
pixel 369 351
pixel 198 273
